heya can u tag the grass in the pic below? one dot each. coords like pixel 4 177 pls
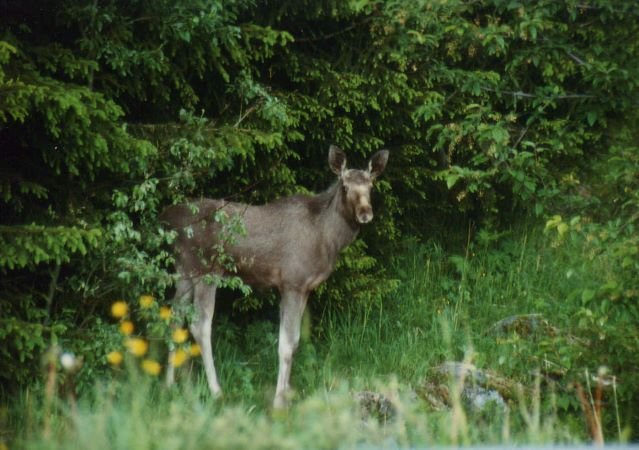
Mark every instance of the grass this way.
pixel 445 310
pixel 142 416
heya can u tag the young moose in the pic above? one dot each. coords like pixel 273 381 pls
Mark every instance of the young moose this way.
pixel 291 244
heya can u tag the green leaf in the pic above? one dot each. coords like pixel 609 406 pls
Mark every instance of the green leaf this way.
pixel 451 180
pixel 587 295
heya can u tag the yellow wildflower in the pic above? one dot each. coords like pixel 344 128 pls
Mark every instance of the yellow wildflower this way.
pixel 146 301
pixel 195 350
pixel 165 313
pixel 126 327
pixel 179 357
pixel 180 335
pixel 114 358
pixel 119 309
pixel 151 367
pixel 137 346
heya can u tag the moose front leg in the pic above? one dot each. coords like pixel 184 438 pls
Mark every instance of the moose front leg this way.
pixel 291 310
pixel 183 293
pixel 204 300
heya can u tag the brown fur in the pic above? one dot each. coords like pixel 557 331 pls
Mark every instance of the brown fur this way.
pixel 291 244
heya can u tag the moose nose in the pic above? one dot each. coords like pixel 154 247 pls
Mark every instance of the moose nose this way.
pixel 365 216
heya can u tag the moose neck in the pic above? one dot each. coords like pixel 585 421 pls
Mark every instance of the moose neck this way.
pixel 336 219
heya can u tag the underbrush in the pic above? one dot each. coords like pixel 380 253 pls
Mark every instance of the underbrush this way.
pixel 527 304
pixel 512 305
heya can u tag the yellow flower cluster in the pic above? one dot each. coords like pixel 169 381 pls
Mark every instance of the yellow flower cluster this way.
pixel 126 327
pixel 165 313
pixel 138 347
pixel 114 358
pixel 151 367
pixel 179 357
pixel 119 309
pixel 180 335
pixel 146 301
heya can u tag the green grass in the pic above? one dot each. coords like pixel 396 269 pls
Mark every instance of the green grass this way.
pixel 444 310
pixel 143 416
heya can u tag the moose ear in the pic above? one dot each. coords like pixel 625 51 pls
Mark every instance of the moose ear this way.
pixel 336 159
pixel 377 164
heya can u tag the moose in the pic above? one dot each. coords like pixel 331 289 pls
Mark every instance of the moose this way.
pixel 291 244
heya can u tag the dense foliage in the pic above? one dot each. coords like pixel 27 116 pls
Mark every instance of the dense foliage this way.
pixel 110 110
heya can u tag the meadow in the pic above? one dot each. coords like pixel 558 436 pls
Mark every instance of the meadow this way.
pixel 448 306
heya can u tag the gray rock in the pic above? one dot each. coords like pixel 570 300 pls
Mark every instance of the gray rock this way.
pixel 373 404
pixel 480 399
pixel 479 388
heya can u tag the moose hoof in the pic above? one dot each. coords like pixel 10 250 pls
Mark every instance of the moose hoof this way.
pixel 282 401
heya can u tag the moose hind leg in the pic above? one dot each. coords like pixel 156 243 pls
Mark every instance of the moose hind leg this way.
pixel 291 311
pixel 183 293
pixel 204 300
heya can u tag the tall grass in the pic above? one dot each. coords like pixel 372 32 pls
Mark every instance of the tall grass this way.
pixel 144 416
pixel 444 310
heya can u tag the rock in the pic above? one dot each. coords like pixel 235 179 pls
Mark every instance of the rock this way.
pixel 373 404
pixel 524 325
pixel 479 388
pixel 435 394
pixel 468 374
pixel 480 399
pixel 533 326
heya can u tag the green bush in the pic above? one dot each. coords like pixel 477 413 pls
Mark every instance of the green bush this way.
pixel 604 238
pixel 113 110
